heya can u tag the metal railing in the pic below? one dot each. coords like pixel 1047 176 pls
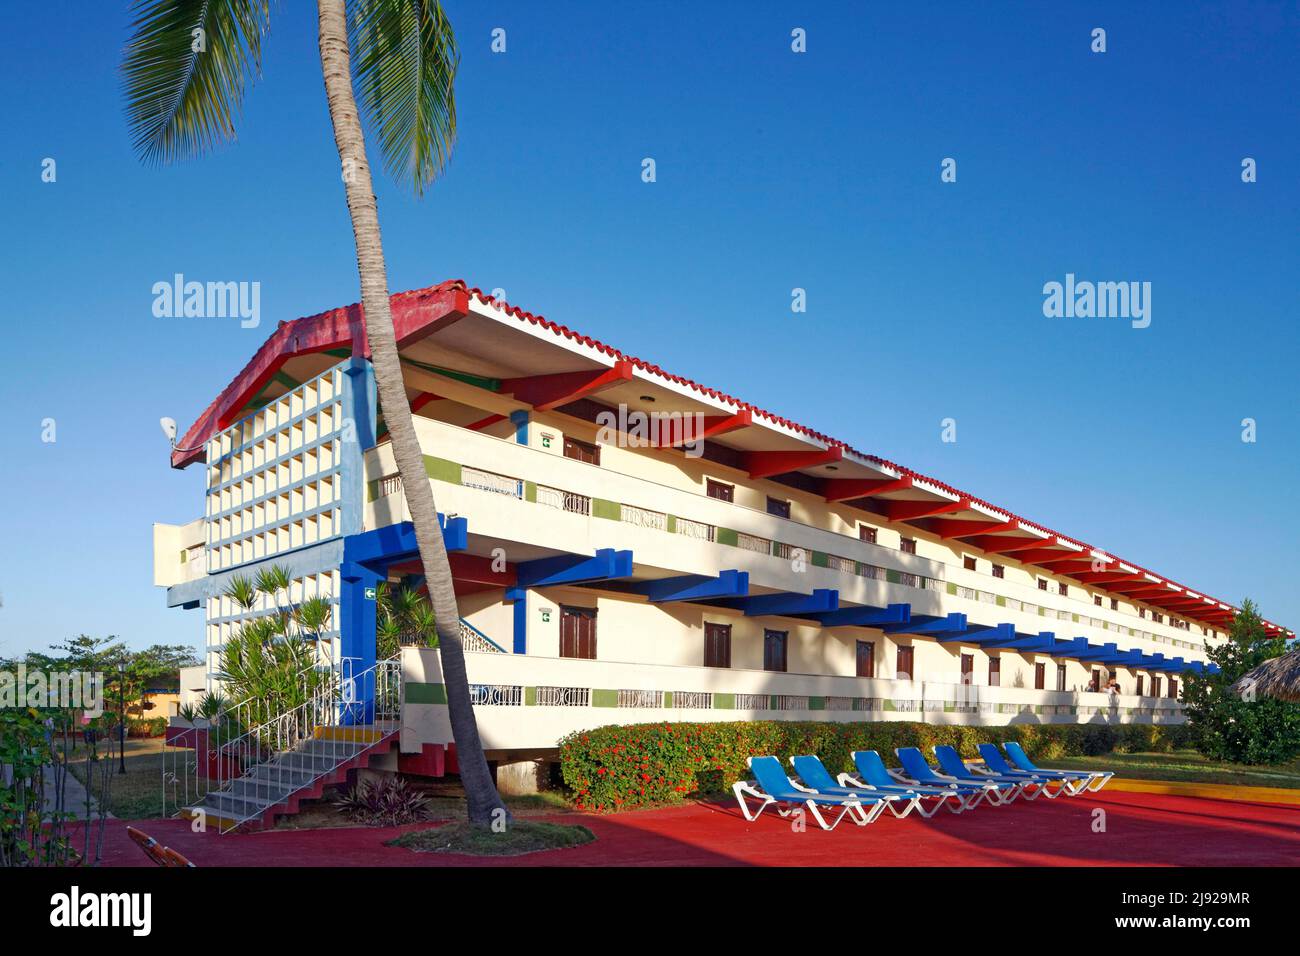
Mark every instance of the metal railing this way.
pixel 489 481
pixel 752 542
pixel 254 765
pixel 472 639
pixel 643 517
pixel 563 500
pixel 564 696
pixel 496 695
pixel 695 529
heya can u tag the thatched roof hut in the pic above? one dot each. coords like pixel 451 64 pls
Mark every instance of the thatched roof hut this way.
pixel 1278 677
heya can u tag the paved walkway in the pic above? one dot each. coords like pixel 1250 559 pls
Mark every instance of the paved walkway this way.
pixel 74 797
pixel 1141 829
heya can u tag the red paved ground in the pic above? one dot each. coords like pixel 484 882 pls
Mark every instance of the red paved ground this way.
pixel 1141 830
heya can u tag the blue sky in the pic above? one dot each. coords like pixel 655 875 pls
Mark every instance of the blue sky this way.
pixel 775 170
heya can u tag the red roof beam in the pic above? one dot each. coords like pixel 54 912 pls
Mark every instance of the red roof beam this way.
pixel 684 432
pixel 483 423
pixel 911 510
pixel 545 392
pixel 995 545
pixel 765 464
pixel 846 489
pixel 472 568
pixel 424 398
pixel 952 528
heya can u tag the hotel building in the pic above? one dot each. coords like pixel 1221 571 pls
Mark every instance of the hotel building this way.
pixel 628 545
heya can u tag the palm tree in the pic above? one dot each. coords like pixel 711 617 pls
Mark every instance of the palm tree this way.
pixel 185 70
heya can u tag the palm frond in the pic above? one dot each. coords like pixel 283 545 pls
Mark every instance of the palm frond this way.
pixel 404 61
pixel 241 591
pixel 272 580
pixel 184 72
pixel 313 615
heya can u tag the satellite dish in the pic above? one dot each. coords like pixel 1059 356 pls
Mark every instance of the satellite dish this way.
pixel 169 428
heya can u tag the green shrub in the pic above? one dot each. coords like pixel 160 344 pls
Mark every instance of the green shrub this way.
pixel 146 727
pixel 638 765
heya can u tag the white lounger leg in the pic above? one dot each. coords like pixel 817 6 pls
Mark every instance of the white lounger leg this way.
pixel 740 789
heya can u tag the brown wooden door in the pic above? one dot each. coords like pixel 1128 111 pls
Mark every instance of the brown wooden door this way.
pixel 968 668
pixel 905 669
pixel 774 650
pixel 578 632
pixel 1040 676
pixel 1060 677
pixel 866 659
pixel 995 671
pixel 717 645
pixel 581 451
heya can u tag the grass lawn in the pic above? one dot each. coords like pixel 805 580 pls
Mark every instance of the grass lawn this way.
pixel 1186 766
pixel 525 836
pixel 137 794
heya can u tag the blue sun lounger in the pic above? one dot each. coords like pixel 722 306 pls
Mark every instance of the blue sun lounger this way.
pixel 873 773
pixel 997 764
pixel 813 773
pixel 1095 779
pixel 773 787
pixel 916 770
pixel 951 764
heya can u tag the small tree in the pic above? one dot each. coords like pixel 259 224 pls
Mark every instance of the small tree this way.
pixel 1226 726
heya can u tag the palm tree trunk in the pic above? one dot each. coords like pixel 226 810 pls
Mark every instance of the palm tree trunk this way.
pixel 484 803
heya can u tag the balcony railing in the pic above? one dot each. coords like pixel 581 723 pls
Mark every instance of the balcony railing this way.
pixel 643 517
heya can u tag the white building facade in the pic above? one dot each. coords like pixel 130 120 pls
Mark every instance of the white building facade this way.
pixel 631 546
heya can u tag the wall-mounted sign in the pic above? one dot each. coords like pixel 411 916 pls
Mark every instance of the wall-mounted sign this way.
pixel 370 594
pixel 546 615
pixel 547 438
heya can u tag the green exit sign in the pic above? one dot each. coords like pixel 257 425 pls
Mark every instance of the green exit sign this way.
pixel 370 594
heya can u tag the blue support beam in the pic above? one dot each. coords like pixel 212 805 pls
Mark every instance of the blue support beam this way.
pixel 942 625
pixel 784 603
pixel 867 616
pixel 1104 654
pixel 1068 648
pixel 980 634
pixel 695 587
pixel 606 565
pixel 1027 642
pixel 396 542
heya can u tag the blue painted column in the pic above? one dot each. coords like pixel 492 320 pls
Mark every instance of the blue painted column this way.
pixel 357 637
pixel 520 598
pixel 519 418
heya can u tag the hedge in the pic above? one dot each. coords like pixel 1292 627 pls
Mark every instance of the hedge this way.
pixel 621 767
pixel 146 727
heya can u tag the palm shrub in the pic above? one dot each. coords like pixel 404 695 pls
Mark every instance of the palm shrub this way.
pixel 405 618
pixel 270 664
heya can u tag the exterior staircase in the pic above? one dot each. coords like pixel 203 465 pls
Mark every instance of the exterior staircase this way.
pixel 263 768
pixel 276 787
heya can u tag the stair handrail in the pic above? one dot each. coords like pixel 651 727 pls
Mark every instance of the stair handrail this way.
pixel 275 738
pixel 474 635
